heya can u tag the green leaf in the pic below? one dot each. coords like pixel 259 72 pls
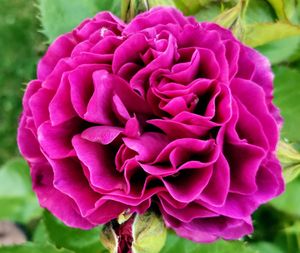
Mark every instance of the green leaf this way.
pixel 17 200
pixel 228 17
pixel 192 6
pixel 265 247
pixel 15 178
pixel 81 241
pixel 296 55
pixel 263 33
pixel 290 160
pixel 61 16
pixel 286 96
pixel 201 8
pixel 288 202
pixel 292 172
pixel 233 18
pixel 33 248
pixel 153 3
pixel 263 27
pixel 180 245
pixel 273 50
pixel 279 8
pixel 285 9
pixel 288 237
pixel 208 13
pixel 41 235
pixel 259 11
pixel 294 229
pixel 291 10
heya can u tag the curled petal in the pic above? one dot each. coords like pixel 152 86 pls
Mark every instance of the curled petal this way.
pixel 187 185
pixel 98 160
pixel 60 48
pixel 49 197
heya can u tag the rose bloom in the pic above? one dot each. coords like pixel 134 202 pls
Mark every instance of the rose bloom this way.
pixel 163 112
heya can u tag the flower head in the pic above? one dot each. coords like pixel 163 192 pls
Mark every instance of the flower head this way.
pixel 163 111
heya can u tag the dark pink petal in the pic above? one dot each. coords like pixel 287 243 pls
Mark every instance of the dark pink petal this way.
pixel 53 80
pixel 223 106
pixel 101 134
pixel 103 20
pixel 216 190
pixel 249 128
pixel 124 153
pixel 162 61
pixel 191 149
pixel 39 103
pixel 128 70
pixel 99 161
pixel 236 206
pixel 27 142
pixel 119 109
pixel 61 108
pixel 244 160
pixel 55 141
pixel 49 197
pixel 82 89
pixel 157 16
pixel 242 89
pixel 232 56
pixel 210 40
pixel 31 89
pixel 69 179
pixel 129 51
pixel 222 227
pixel 132 128
pixel 187 71
pixel 263 76
pixel 106 210
pixel 99 108
pixel 189 233
pixel 147 146
pixel 106 46
pixel 81 47
pixel 187 185
pixel 269 180
pixel 187 213
pixel 238 229
pixel 175 129
pixel 60 48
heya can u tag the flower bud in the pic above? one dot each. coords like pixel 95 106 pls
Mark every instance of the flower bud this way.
pixel 290 160
pixel 138 234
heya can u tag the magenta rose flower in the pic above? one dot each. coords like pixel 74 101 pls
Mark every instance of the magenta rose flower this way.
pixel 163 112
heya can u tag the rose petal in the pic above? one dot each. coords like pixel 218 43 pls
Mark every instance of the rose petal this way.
pixel 98 159
pixel 187 185
pixel 101 134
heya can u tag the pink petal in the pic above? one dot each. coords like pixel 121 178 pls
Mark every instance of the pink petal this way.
pixel 101 134
pixel 187 185
pixel 99 161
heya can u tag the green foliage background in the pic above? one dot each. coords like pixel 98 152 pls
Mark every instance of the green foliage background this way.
pixel 271 26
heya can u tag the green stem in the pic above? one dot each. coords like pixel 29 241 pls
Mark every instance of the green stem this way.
pixel 130 8
pixel 125 5
pixel 245 4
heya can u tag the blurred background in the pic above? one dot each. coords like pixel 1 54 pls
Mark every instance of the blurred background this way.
pixel 277 224
pixel 21 45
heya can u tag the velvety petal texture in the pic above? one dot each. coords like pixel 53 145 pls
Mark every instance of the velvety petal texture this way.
pixel 163 112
